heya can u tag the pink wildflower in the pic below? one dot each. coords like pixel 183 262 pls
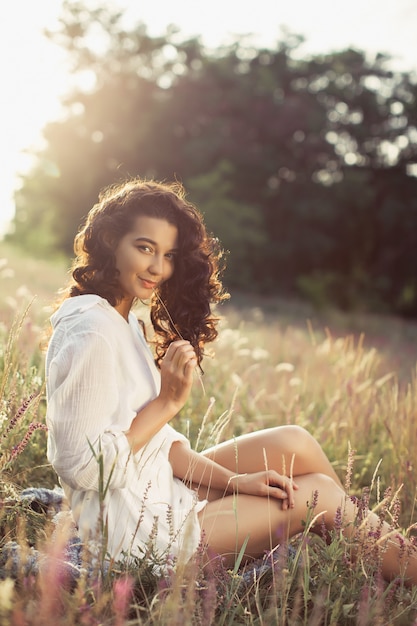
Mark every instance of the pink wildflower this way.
pixel 22 445
pixel 122 591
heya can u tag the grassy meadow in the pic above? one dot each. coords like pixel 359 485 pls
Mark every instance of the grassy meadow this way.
pixel 349 379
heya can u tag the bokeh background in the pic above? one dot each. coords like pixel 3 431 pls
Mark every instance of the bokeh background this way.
pixel 294 129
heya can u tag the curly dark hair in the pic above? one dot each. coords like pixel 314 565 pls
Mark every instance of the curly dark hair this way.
pixel 181 305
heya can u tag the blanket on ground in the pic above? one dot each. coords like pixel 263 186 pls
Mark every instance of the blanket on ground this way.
pixel 14 560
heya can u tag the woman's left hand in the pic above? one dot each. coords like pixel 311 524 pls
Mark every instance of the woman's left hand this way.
pixel 267 484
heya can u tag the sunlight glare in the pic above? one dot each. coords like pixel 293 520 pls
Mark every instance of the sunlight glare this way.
pixel 35 73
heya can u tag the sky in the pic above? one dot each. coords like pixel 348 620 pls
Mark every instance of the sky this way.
pixel 35 72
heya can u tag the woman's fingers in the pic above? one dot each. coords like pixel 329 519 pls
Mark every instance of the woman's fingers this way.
pixel 282 487
pixel 179 349
pixel 268 483
pixel 177 370
pixel 181 355
pixel 175 348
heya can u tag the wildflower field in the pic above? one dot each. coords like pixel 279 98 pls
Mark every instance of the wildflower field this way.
pixel 350 380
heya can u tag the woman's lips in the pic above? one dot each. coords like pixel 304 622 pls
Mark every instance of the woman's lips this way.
pixel 148 284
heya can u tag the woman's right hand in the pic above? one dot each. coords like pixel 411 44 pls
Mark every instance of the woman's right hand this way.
pixel 177 368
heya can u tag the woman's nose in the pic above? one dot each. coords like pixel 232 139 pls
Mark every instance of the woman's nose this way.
pixel 156 265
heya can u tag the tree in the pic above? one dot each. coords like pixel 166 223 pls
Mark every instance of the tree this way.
pixel 301 166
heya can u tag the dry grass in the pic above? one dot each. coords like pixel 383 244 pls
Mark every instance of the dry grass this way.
pixel 350 381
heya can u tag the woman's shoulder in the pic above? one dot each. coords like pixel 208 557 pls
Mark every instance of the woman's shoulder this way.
pixel 85 325
pixel 85 313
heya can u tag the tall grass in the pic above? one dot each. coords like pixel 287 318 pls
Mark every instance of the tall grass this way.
pixel 268 370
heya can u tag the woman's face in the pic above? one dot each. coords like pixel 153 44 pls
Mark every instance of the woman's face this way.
pixel 145 259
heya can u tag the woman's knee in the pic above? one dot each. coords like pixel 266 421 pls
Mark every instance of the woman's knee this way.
pixel 294 440
pixel 321 494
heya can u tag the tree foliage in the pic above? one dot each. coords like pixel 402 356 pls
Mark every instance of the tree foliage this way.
pixel 301 166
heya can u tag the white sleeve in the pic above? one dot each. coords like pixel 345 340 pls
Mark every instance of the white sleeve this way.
pixel 86 443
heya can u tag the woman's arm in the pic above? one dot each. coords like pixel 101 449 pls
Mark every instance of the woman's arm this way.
pixel 83 399
pixel 177 370
pixel 196 469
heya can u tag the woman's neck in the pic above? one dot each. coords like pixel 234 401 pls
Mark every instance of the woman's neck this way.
pixel 123 307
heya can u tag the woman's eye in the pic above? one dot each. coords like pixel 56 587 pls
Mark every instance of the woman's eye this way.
pixel 143 248
pixel 170 256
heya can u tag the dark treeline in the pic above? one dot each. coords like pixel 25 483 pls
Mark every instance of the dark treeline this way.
pixel 301 167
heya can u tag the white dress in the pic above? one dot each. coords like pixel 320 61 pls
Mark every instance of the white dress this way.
pixel 100 372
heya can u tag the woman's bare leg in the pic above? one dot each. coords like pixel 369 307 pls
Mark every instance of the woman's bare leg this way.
pixel 285 449
pixel 228 522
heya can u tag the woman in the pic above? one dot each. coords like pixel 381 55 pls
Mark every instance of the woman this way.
pixel 128 475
